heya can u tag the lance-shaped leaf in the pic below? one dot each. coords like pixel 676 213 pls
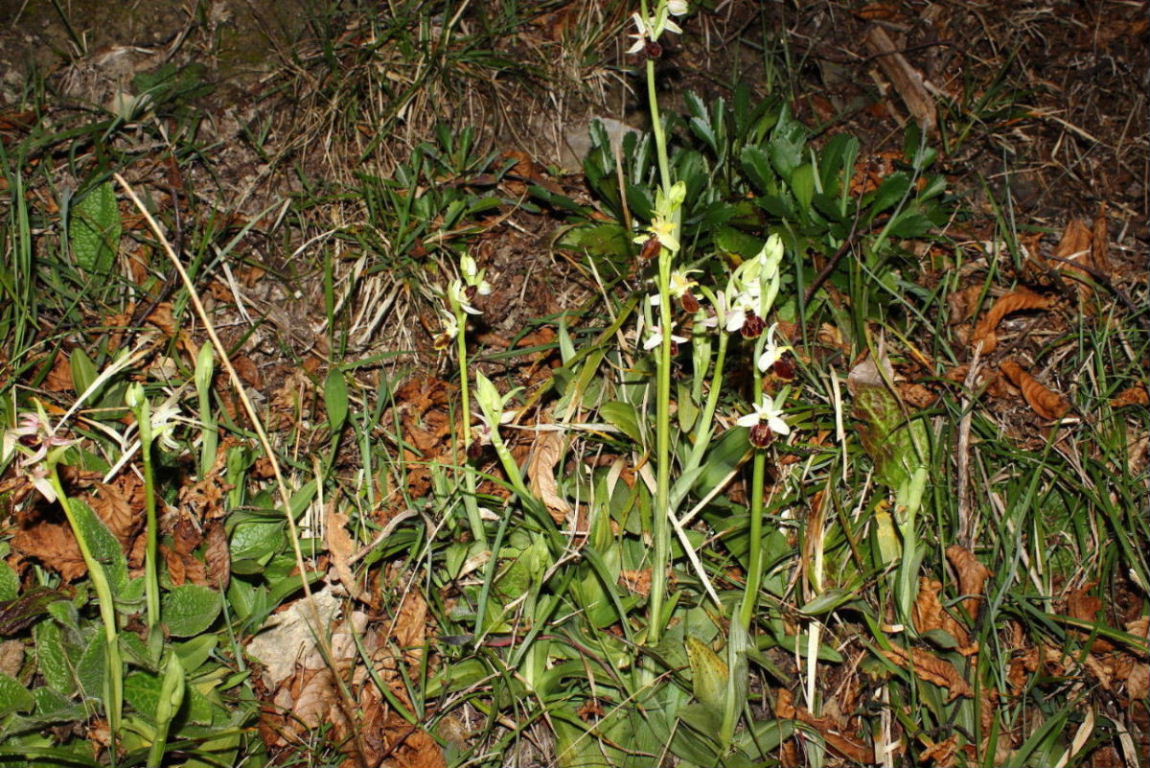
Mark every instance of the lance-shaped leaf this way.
pixel 896 444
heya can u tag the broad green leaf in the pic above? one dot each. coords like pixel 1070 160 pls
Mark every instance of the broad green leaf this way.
pixel 50 703
pixel 757 165
pixel 623 417
pixel 52 657
pixel 257 540
pixel 91 667
pixel 104 545
pixel 788 141
pixel 896 444
pixel 196 651
pixel 803 186
pixel 709 674
pixel 724 456
pixel 827 602
pixel 9 582
pixel 608 239
pixel 893 189
pixel 729 240
pixel 142 692
pixel 335 400
pixel 94 230
pixel 83 370
pixel 910 224
pixel 189 609
pixel 13 696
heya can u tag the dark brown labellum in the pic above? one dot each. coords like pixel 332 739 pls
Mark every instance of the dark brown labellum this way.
pixel 753 326
pixel 761 435
pixel 690 303
pixel 475 450
pixel 650 249
pixel 784 368
pixel 653 50
pixel 471 292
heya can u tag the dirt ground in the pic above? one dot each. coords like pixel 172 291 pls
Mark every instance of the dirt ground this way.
pixel 1041 106
pixel 1040 110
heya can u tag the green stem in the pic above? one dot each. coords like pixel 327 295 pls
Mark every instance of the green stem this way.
pixel 113 677
pixel 703 430
pixel 755 542
pixel 474 519
pixel 660 524
pixel 151 557
pixel 657 129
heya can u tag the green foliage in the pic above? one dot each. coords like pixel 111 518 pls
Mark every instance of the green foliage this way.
pixel 94 230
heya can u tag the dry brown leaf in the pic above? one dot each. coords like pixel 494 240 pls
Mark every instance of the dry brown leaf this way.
pixel 217 555
pixel 638 582
pixel 849 747
pixel 11 657
pixel 1022 666
pixel 907 81
pixel 121 507
pixel 1016 301
pixel 972 576
pixel 1075 248
pixel 53 545
pixel 1100 243
pixel 944 754
pixel 1138 683
pixel 546 453
pixel 410 633
pixel 341 547
pixel 1135 395
pixel 1045 402
pixel 60 379
pixel 929 614
pixel 1102 671
pixel 1084 605
pixel 1139 627
pixel 962 303
pixel 248 371
pixel 932 669
pixel 184 567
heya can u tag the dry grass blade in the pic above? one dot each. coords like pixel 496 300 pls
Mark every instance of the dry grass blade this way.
pixel 257 424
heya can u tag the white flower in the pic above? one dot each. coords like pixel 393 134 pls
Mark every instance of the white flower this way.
pixel 678 7
pixel 164 418
pixel 766 411
pixel 655 337
pixel 473 275
pixel 680 285
pixel 743 305
pixel 458 294
pixel 32 440
pixel 450 330
pixel 642 35
pixel 771 350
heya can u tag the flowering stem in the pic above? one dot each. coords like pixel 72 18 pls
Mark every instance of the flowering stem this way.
pixel 660 528
pixel 151 562
pixel 758 474
pixel 113 675
pixel 702 431
pixel 657 128
pixel 475 521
